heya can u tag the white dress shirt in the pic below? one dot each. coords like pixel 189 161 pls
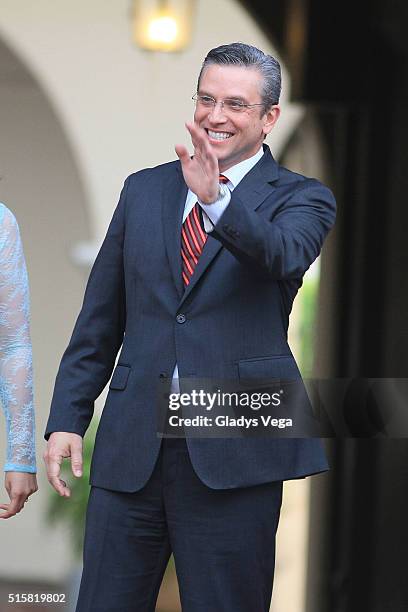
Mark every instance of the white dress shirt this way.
pixel 212 212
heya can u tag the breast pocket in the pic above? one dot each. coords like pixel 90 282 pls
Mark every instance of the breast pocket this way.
pixel 120 377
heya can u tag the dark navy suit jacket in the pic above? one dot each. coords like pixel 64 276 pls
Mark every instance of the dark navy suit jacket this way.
pixel 236 311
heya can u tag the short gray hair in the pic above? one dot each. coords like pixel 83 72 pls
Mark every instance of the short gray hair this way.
pixel 240 54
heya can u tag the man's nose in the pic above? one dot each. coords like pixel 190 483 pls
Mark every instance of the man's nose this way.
pixel 217 113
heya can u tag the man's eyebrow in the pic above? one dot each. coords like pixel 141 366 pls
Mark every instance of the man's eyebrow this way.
pixel 238 98
pixel 202 92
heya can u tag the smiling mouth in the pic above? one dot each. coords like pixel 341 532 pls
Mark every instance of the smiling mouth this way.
pixel 218 135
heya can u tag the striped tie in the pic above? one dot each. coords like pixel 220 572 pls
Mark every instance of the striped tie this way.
pixel 193 239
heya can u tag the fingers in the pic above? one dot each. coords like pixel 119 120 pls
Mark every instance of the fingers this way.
pixel 195 137
pixel 11 509
pixel 62 445
pixel 182 154
pixel 201 171
pixel 199 139
pixel 76 459
pixel 203 149
pixel 9 513
pixel 53 472
pixel 59 485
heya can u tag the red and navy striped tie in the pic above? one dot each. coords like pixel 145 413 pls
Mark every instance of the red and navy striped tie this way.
pixel 193 239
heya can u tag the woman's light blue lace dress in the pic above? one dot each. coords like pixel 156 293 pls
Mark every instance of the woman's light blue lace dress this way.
pixel 16 378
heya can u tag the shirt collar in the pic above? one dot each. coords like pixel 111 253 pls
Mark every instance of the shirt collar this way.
pixel 236 173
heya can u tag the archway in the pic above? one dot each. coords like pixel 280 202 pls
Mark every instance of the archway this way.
pixel 41 185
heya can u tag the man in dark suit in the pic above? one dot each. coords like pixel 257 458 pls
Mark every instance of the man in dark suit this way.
pixel 195 278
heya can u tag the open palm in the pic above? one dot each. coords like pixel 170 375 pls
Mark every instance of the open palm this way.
pixel 200 171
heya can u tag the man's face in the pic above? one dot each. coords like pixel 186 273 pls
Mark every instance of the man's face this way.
pixel 246 128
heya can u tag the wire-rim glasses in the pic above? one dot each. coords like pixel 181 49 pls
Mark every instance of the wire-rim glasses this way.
pixel 228 104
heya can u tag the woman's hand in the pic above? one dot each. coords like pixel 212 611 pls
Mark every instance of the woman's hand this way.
pixel 19 486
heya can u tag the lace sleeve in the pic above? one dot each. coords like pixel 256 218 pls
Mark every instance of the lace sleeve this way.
pixel 16 381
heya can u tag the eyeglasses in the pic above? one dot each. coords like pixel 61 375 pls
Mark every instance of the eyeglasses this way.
pixel 229 104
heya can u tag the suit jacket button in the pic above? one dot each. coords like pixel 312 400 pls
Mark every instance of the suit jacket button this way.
pixel 181 318
pixel 163 375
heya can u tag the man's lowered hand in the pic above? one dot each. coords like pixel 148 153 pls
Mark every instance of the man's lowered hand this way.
pixel 62 445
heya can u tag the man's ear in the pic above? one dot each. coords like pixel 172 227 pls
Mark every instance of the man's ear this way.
pixel 271 117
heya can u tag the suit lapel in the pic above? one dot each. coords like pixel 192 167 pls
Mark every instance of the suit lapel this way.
pixel 174 198
pixel 211 248
pixel 257 184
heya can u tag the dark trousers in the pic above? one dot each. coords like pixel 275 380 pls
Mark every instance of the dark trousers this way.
pixel 223 542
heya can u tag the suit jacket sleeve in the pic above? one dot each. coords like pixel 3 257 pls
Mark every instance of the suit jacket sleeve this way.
pixel 283 245
pixel 88 361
